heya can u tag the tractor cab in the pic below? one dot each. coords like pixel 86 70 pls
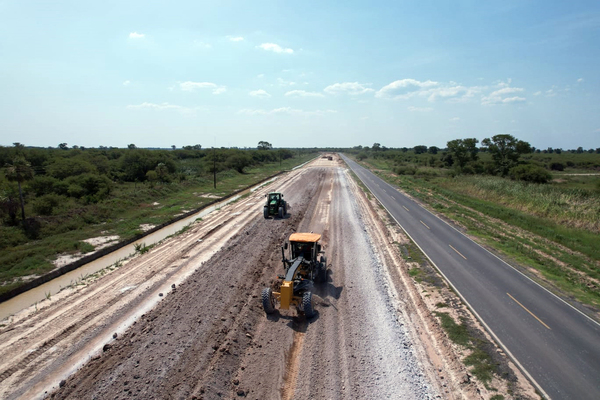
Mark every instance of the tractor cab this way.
pixel 274 198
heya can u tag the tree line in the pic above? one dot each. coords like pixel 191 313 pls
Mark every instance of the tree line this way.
pixel 49 176
pixel 503 155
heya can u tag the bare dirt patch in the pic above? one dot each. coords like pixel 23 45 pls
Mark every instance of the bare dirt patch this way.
pixel 146 227
pixel 101 242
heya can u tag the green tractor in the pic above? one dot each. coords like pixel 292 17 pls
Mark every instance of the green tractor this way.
pixel 276 205
pixel 307 265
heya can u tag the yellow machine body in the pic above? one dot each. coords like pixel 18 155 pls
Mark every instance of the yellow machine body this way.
pixel 286 296
pixel 287 292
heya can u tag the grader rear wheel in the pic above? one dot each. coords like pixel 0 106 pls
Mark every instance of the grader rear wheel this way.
pixel 307 305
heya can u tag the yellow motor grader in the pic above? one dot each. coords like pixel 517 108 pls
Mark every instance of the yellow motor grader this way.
pixel 302 270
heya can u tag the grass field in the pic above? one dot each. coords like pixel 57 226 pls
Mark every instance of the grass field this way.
pixel 130 206
pixel 552 228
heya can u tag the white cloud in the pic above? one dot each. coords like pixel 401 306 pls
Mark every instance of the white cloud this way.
pixel 283 82
pixel 453 93
pixel 454 119
pixel 500 96
pixel 550 93
pixel 260 76
pixel 275 48
pixel 135 35
pixel 161 107
pixel 190 86
pixel 405 88
pixel 235 38
pixel 259 93
pixel 351 88
pixel 419 109
pixel 580 80
pixel 284 111
pixel 126 83
pixel 303 93
pixel 537 93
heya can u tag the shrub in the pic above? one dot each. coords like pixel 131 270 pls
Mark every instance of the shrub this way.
pixel 46 204
pixel 556 166
pixel 405 170
pixel 530 173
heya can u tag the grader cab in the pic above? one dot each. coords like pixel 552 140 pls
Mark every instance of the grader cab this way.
pixel 302 270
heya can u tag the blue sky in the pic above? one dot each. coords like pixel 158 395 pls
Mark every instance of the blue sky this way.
pixel 298 74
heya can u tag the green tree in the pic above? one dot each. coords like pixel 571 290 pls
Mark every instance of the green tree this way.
pixel 262 145
pixel 162 171
pixel 151 177
pixel 9 204
pixel 239 161
pixel 63 146
pixel 463 150
pixel 19 171
pixel 505 151
pixel 420 149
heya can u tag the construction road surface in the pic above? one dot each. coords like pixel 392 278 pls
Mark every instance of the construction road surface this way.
pixel 185 319
pixel 556 344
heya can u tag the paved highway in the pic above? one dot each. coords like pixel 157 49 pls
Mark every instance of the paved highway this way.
pixel 557 346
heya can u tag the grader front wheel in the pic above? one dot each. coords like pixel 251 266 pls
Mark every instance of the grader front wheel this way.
pixel 268 300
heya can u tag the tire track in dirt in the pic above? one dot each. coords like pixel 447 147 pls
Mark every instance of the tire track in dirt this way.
pixel 292 363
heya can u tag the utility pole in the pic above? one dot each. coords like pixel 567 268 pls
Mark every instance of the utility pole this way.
pixel 215 162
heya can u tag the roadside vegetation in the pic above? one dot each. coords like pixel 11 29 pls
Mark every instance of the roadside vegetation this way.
pixel 51 199
pixel 540 208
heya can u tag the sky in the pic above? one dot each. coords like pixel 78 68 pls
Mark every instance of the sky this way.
pixel 298 74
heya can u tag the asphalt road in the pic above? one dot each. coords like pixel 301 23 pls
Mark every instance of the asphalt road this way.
pixel 556 345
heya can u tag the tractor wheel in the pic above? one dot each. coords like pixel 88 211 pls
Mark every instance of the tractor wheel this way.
pixel 284 208
pixel 307 305
pixel 324 260
pixel 268 301
pixel 266 212
pixel 280 212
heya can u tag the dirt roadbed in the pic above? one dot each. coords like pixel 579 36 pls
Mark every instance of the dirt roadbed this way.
pixel 185 319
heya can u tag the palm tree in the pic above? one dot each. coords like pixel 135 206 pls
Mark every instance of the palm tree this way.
pixel 19 171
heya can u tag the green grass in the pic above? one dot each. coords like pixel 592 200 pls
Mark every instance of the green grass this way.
pixel 561 223
pixel 457 333
pixel 129 206
pixel 480 361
